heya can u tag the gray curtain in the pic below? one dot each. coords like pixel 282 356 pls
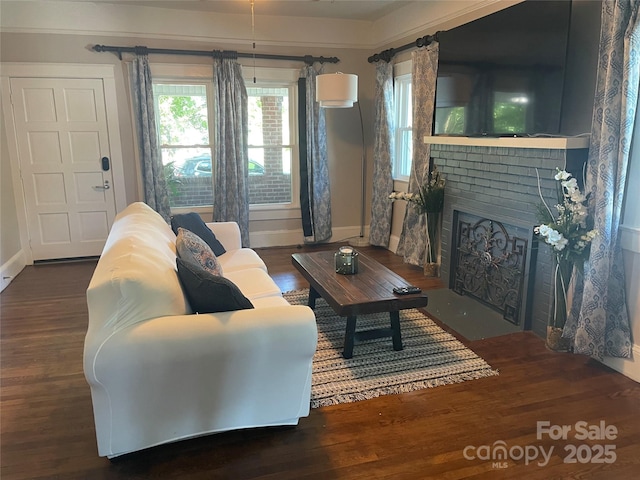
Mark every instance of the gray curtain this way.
pixel 230 148
pixel 153 179
pixel 315 189
pixel 598 324
pixel 424 73
pixel 383 147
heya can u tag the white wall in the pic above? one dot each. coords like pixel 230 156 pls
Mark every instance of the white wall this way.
pixel 11 255
pixel 631 248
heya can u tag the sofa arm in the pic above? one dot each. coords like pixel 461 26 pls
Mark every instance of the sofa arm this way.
pixel 228 233
pixel 180 376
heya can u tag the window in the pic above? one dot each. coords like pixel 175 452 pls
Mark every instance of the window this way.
pixel 183 100
pixel 403 127
pixel 183 127
pixel 270 146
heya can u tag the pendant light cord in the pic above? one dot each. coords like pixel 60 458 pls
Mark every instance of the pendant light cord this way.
pixel 253 37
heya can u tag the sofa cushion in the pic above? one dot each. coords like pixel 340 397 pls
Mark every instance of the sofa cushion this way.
pixel 209 293
pixel 269 302
pixel 193 222
pixel 241 259
pixel 254 283
pixel 193 249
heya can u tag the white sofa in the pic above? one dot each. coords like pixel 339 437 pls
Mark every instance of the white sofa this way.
pixel 159 373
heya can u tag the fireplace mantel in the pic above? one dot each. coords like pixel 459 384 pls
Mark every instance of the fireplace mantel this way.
pixel 554 143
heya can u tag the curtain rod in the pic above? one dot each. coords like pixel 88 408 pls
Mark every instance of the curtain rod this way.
pixel 388 54
pixel 308 59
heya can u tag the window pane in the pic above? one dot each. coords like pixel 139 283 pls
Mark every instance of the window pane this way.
pixel 189 176
pixel 183 128
pixel 268 116
pixel 270 153
pixel 406 105
pixel 270 182
pixel 405 152
pixel 182 114
pixel 404 120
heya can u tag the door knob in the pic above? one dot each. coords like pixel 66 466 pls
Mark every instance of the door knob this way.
pixel 106 186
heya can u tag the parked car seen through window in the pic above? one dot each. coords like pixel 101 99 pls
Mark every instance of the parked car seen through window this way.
pixel 200 166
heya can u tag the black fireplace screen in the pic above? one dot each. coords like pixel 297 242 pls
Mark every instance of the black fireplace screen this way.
pixel 490 265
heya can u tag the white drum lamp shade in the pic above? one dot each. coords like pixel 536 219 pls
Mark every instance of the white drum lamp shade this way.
pixel 336 90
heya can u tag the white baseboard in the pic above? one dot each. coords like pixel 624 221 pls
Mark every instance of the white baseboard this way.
pixel 276 238
pixel 12 268
pixel 629 367
pixel 630 238
pixel 394 242
pixel 283 238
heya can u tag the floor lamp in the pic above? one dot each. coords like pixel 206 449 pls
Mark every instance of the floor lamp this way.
pixel 340 90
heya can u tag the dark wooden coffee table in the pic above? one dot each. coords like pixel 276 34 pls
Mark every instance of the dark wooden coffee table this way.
pixel 368 291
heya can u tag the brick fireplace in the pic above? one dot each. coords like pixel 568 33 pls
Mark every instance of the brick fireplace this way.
pixel 492 186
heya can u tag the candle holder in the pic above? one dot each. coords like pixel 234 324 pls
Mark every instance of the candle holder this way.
pixel 346 261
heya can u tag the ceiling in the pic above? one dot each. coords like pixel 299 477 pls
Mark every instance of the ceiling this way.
pixel 366 10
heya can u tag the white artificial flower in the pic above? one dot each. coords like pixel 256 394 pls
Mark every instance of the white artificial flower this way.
pixel 577 196
pixel 562 175
pixel 561 243
pixel 543 230
pixel 570 184
pixel 554 236
pixel 579 210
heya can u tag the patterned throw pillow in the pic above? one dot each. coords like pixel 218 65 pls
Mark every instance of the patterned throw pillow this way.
pixel 192 249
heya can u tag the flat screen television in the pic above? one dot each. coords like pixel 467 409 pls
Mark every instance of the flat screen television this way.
pixel 503 74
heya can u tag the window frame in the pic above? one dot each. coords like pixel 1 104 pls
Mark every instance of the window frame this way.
pixel 267 76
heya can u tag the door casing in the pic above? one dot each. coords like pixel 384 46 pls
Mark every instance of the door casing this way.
pixel 106 73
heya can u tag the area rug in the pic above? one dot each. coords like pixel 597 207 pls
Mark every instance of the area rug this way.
pixel 431 357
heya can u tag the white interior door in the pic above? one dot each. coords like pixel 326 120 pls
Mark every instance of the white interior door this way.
pixel 65 165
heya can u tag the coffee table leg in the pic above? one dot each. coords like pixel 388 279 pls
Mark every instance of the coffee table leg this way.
pixel 395 329
pixel 313 295
pixel 349 337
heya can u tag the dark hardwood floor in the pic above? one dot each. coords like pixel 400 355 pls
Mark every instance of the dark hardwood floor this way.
pixel 47 421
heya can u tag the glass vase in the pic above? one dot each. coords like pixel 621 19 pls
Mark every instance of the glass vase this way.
pixel 561 306
pixel 432 252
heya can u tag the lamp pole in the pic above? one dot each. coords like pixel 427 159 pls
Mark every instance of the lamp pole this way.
pixel 361 241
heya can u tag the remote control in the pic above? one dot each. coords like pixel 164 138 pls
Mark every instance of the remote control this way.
pixel 406 290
